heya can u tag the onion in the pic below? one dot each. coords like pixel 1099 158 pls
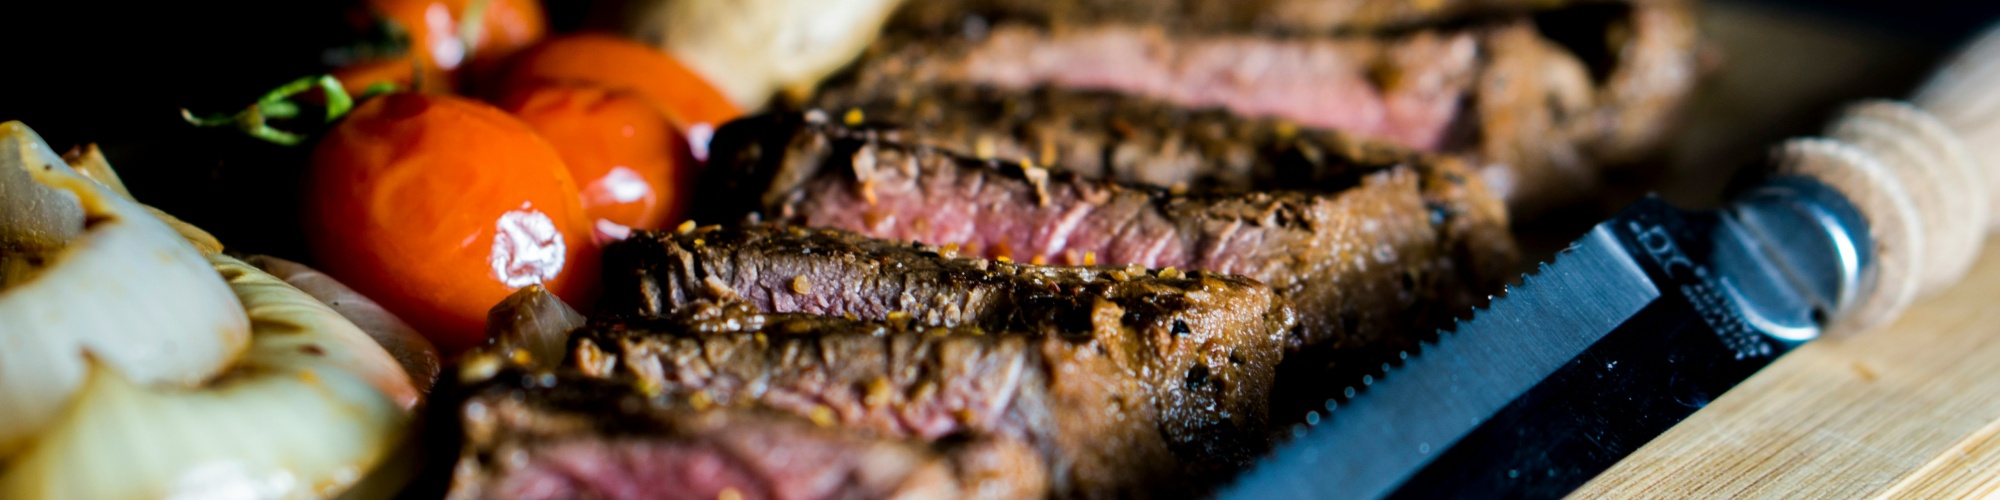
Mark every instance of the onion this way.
pixel 87 271
pixel 307 411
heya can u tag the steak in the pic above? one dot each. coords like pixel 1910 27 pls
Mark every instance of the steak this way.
pixel 1117 136
pixel 1294 17
pixel 1375 263
pixel 563 435
pixel 1543 103
pixel 1200 348
pixel 1095 407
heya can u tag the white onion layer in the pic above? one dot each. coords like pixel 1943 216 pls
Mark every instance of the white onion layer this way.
pixel 115 283
pixel 307 411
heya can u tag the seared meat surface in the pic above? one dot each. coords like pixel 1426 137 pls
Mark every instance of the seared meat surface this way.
pixel 1186 360
pixel 1269 16
pixel 1107 415
pixel 1541 103
pixel 551 436
pixel 1373 263
pixel 1116 136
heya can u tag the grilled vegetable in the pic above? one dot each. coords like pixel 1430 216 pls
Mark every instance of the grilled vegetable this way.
pixel 140 366
pixel 623 152
pixel 614 62
pixel 86 274
pixel 312 405
pixel 438 207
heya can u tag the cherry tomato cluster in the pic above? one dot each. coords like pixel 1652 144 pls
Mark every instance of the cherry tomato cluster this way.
pixel 439 203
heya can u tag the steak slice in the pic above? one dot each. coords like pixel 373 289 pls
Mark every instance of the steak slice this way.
pixel 1169 326
pixel 1207 16
pixel 1543 105
pixel 1104 408
pixel 1122 137
pixel 1376 263
pixel 528 436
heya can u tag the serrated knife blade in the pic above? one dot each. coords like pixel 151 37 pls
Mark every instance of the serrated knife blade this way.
pixel 1635 326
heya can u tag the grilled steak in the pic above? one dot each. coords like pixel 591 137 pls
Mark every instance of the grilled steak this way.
pixel 1542 104
pixel 1371 264
pixel 1267 16
pixel 562 435
pixel 1201 347
pixel 1117 136
pixel 1096 405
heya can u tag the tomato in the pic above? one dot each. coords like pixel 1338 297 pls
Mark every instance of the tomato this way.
pixel 618 63
pixel 623 152
pixel 439 206
pixel 400 72
pixel 443 42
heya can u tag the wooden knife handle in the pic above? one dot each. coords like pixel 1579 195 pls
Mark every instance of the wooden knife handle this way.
pixel 1924 173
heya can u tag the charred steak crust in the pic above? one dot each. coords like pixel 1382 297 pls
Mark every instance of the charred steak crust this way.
pixel 1202 348
pixel 1294 17
pixel 1544 104
pixel 564 435
pixel 1378 264
pixel 1095 425
pixel 1116 136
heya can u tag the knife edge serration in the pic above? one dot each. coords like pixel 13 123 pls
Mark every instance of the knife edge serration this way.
pixel 1367 447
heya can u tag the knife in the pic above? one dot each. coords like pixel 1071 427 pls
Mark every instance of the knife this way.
pixel 1657 311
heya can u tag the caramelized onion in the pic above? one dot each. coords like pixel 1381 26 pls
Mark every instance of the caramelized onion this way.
pixel 92 272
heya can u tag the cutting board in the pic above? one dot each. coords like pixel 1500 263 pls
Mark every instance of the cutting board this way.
pixel 1910 410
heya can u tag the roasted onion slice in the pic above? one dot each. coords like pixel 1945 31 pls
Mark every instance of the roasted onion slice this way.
pixel 311 407
pixel 138 361
pixel 83 270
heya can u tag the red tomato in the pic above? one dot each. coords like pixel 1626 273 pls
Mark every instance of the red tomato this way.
pixel 444 43
pixel 439 206
pixel 622 151
pixel 617 63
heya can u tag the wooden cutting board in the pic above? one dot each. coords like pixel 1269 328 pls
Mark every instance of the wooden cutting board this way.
pixel 1911 410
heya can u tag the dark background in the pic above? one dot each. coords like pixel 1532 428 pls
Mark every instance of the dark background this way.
pixel 117 73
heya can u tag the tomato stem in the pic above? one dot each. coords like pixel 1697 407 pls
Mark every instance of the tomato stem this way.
pixel 278 104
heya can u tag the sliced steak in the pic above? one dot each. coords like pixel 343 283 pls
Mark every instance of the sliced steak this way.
pixel 528 436
pixel 1106 409
pixel 1205 16
pixel 1117 136
pixel 1374 264
pixel 1542 104
pixel 1228 329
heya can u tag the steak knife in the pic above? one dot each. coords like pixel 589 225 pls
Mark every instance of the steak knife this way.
pixel 1657 311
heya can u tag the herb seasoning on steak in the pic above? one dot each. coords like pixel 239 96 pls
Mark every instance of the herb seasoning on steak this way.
pixel 1112 410
pixel 1543 104
pixel 562 435
pixel 1378 263
pixel 1201 347
pixel 1294 17
pixel 1126 138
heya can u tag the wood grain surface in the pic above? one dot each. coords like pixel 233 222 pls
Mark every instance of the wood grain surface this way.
pixel 1909 410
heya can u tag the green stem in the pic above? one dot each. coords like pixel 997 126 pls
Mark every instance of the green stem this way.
pixel 277 104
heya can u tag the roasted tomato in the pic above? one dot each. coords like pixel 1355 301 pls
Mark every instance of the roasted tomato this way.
pixel 614 62
pixel 440 206
pixel 442 41
pixel 400 72
pixel 623 152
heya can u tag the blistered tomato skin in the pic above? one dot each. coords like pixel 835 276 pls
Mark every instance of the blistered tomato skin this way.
pixel 443 47
pixel 613 62
pixel 438 207
pixel 623 152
